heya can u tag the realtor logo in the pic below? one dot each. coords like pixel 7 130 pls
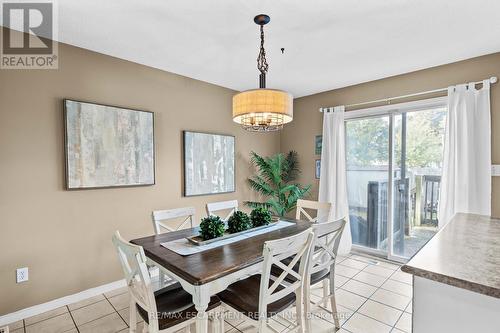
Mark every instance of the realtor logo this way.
pixel 28 34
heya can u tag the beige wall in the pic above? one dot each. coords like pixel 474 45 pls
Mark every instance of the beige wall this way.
pixel 307 123
pixel 64 237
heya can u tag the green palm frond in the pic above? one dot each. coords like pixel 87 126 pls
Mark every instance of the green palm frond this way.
pixel 291 201
pixel 255 204
pixel 275 169
pixel 276 207
pixel 292 170
pixel 264 166
pixel 260 186
pixel 306 190
pixel 287 188
pixel 297 193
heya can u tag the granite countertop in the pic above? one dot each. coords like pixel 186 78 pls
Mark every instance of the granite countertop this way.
pixel 464 254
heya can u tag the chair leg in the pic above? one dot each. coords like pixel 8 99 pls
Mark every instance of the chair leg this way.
pixel 334 311
pixel 307 306
pixel 133 317
pixel 333 301
pixel 299 302
pixel 325 293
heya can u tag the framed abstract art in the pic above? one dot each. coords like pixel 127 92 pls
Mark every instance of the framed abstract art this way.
pixel 208 163
pixel 108 146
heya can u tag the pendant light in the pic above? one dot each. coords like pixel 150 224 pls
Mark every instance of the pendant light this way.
pixel 263 109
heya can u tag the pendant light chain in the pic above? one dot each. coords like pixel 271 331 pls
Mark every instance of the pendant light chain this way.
pixel 262 64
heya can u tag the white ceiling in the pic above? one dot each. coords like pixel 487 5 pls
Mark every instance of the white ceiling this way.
pixel 328 43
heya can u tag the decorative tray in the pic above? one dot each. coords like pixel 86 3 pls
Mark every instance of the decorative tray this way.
pixel 197 240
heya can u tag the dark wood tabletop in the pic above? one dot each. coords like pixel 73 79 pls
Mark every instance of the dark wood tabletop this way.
pixel 206 266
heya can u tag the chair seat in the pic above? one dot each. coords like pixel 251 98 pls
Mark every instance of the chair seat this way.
pixel 244 297
pixel 315 277
pixel 174 306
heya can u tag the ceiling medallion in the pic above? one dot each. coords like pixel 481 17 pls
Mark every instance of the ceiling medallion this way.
pixel 263 109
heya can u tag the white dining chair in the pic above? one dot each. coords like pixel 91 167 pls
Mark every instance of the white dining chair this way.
pixel 319 207
pixel 322 210
pixel 161 217
pixel 322 265
pixel 260 296
pixel 167 310
pixel 214 207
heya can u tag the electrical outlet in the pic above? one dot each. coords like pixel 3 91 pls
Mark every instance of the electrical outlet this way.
pixel 21 274
pixel 495 170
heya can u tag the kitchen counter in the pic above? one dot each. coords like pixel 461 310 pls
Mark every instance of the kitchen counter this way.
pixel 456 278
pixel 464 254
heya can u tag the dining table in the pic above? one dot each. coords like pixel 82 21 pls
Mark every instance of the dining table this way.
pixel 207 273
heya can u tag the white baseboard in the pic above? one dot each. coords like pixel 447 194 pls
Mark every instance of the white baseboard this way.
pixel 66 300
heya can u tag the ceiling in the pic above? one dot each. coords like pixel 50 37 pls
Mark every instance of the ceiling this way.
pixel 328 43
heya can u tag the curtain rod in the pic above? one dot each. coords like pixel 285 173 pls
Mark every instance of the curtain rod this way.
pixel 492 80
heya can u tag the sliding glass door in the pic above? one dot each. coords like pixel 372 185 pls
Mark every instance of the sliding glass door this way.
pixel 393 179
pixel 367 160
pixel 418 159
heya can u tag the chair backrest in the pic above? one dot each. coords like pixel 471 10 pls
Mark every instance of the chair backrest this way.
pixel 320 207
pixel 214 207
pixel 133 262
pixel 297 248
pixel 326 244
pixel 161 216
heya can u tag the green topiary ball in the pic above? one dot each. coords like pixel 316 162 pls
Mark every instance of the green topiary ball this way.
pixel 260 216
pixel 211 227
pixel 239 221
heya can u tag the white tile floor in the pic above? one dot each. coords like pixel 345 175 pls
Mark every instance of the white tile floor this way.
pixel 373 296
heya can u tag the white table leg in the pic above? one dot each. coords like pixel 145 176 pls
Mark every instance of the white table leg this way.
pixel 202 319
pixel 201 298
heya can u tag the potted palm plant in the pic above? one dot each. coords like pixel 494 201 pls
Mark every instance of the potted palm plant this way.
pixel 276 181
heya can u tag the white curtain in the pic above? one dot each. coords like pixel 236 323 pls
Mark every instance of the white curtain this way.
pixel 466 179
pixel 333 177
